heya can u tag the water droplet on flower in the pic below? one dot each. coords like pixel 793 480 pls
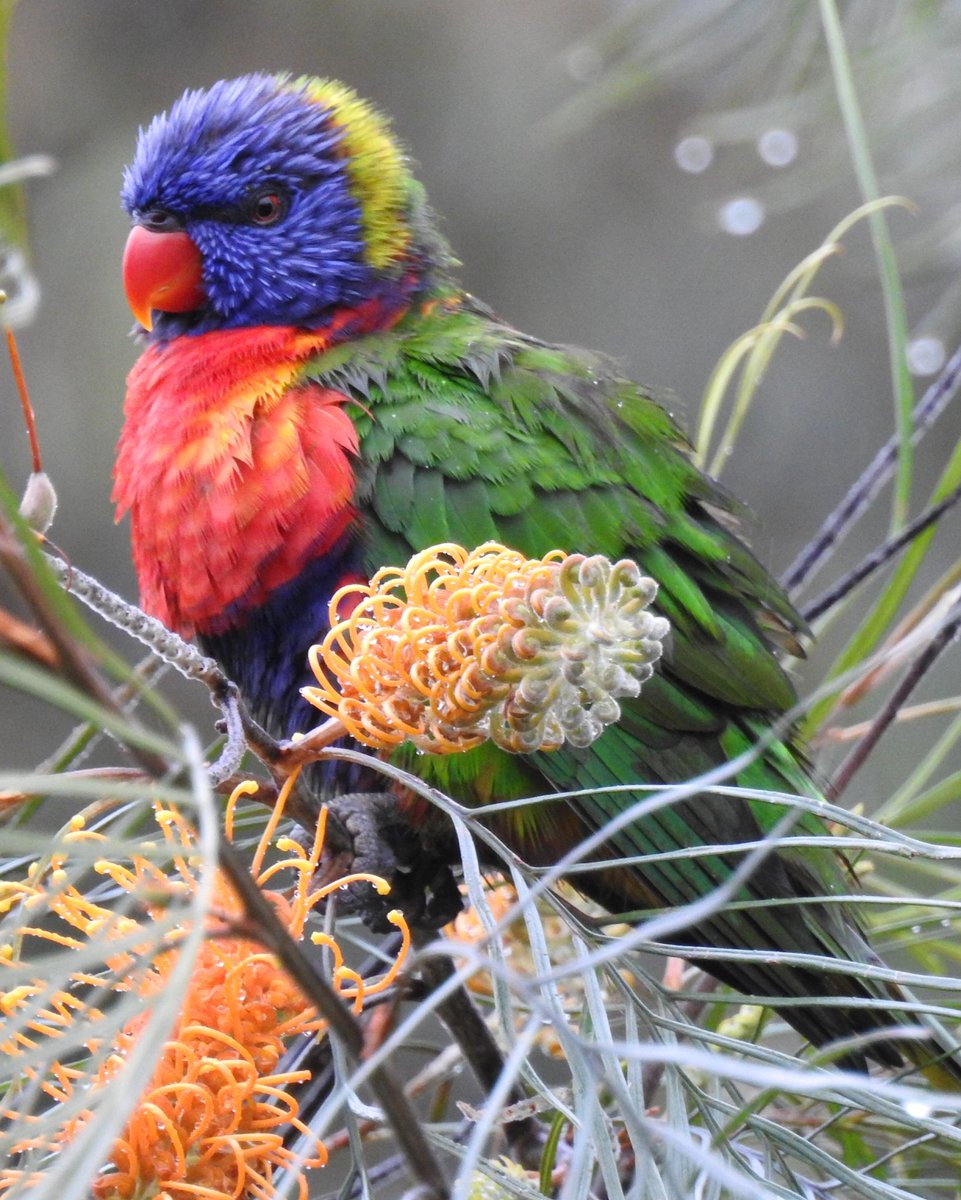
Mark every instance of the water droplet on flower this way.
pixel 694 154
pixel 925 355
pixel 777 147
pixel 741 216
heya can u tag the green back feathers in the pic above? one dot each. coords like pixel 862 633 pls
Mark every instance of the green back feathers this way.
pixel 471 431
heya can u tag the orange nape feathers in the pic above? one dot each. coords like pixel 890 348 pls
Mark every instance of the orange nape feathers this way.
pixel 234 476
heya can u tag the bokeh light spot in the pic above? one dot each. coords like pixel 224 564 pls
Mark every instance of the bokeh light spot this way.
pixel 925 355
pixel 694 154
pixel 741 216
pixel 777 147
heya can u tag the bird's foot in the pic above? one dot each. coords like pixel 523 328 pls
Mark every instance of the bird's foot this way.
pixel 373 837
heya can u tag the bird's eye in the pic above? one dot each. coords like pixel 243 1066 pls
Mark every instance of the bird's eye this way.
pixel 158 220
pixel 267 207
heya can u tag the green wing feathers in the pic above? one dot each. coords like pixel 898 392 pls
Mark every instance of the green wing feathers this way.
pixel 470 432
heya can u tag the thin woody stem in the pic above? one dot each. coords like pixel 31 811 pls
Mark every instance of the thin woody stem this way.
pixel 29 417
pixel 919 668
pixel 859 496
pixel 147 630
pixel 526 1135
pixel 877 558
pixel 268 930
pixel 72 663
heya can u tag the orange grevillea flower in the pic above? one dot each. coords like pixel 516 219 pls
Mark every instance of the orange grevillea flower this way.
pixel 213 1118
pixel 458 647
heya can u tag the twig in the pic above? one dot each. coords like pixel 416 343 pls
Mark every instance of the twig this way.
pixel 919 668
pixel 287 756
pixel 526 1135
pixel 73 663
pixel 877 558
pixel 29 417
pixel 153 634
pixel 267 929
pixel 281 757
pixel 27 640
pixel 877 473
pixel 235 746
pixel 911 712
pixel 307 1053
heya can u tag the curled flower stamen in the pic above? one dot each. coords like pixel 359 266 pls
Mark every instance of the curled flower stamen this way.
pixel 459 647
pixel 213 1119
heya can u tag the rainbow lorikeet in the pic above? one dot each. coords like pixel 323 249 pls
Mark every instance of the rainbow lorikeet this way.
pixel 319 397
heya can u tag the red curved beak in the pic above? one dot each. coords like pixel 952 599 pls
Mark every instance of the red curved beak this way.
pixel 161 271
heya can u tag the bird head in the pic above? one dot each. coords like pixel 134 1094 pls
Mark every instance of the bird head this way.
pixel 267 200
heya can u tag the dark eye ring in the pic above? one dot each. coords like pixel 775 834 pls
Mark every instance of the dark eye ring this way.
pixel 267 207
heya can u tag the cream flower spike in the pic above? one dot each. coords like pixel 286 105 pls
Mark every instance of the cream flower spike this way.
pixel 458 647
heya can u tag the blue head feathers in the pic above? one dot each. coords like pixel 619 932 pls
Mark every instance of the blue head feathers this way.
pixel 294 192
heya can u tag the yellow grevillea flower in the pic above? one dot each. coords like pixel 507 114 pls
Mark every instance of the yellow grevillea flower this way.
pixel 458 647
pixel 212 1120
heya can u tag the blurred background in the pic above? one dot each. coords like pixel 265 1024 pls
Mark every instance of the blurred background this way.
pixel 636 177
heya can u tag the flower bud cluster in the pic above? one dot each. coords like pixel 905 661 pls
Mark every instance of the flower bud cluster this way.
pixel 458 647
